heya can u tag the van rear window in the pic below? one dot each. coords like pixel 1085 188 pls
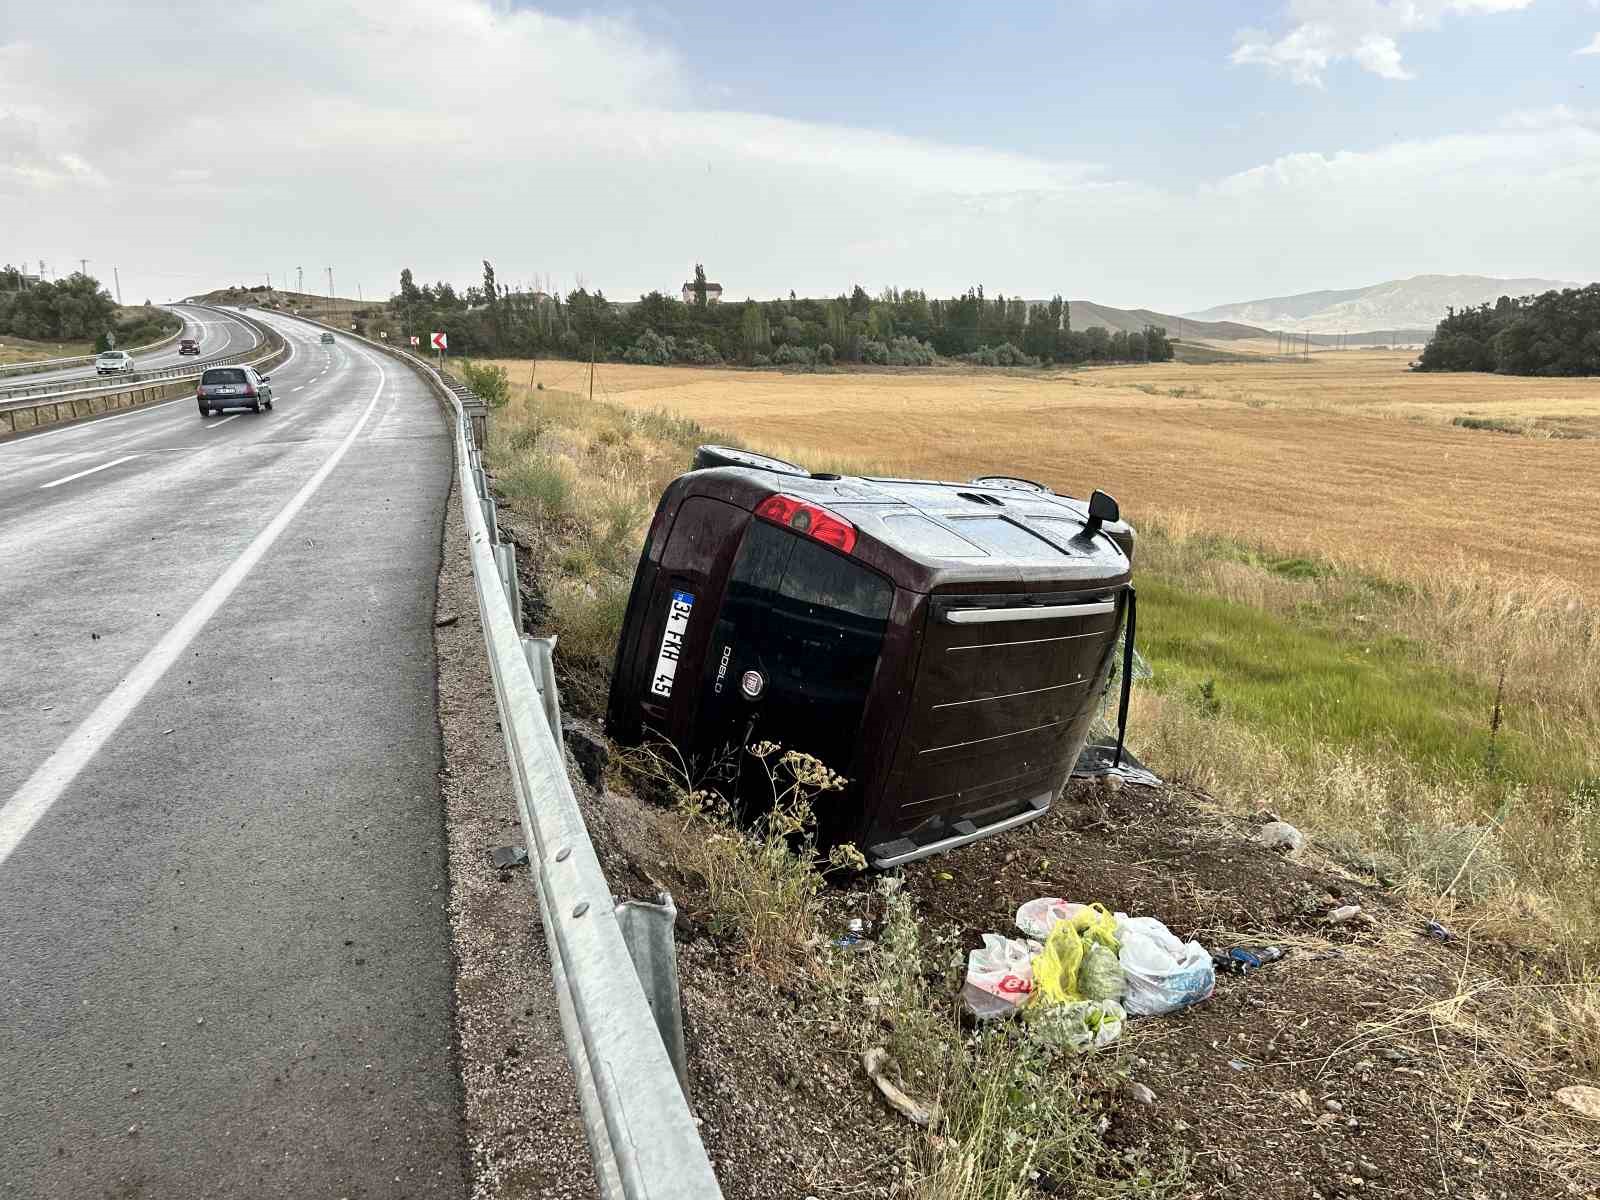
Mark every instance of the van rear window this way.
pixel 223 375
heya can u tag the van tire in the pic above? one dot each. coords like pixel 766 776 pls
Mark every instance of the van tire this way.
pixel 1011 483
pixel 728 456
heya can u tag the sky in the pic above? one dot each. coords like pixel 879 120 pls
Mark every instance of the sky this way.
pixel 1140 153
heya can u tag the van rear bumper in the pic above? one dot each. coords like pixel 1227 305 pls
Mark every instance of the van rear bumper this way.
pixel 900 851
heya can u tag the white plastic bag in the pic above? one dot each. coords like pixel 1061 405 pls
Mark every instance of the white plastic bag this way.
pixel 1003 968
pixel 1162 973
pixel 1038 917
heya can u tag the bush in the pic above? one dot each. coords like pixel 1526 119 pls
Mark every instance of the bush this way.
pixel 491 383
pixel 794 356
pixel 651 350
pixel 874 352
pixel 1003 355
pixel 825 354
pixel 909 352
pixel 697 352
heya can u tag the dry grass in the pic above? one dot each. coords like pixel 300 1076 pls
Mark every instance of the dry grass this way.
pixel 1317 454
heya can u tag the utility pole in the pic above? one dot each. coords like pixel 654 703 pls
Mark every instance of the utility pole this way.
pixel 300 279
pixel 269 281
pixel 83 266
pixel 118 279
pixel 591 370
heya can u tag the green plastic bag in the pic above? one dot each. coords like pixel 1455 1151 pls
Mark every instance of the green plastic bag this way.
pixel 1100 977
pixel 1081 1025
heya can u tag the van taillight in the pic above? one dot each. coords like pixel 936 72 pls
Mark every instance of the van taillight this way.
pixel 828 528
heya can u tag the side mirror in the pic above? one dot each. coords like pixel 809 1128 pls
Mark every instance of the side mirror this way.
pixel 268 379
pixel 1102 508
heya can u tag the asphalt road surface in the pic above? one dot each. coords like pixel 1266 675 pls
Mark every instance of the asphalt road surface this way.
pixel 217 332
pixel 224 947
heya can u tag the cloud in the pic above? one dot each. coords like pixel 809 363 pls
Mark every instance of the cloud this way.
pixel 1325 32
pixel 1592 48
pixel 376 134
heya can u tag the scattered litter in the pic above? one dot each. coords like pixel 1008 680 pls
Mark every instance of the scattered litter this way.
pixel 1280 835
pixel 1435 930
pixel 450 619
pixel 166 731
pixel 856 941
pixel 876 1062
pixel 1141 1093
pixel 1340 915
pixel 506 857
pixel 1163 974
pixel 1242 960
pixel 1585 1101
pixel 1237 1065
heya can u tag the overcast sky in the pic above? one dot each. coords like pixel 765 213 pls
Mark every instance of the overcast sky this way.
pixel 1134 152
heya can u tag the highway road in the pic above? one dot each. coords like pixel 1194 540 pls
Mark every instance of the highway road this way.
pixel 225 965
pixel 218 333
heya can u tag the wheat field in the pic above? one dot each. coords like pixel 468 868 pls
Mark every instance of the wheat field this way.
pixel 1348 455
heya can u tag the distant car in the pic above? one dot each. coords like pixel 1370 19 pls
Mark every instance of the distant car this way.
pixel 327 339
pixel 233 387
pixel 113 362
pixel 189 346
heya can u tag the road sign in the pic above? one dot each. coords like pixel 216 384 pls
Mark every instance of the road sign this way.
pixel 415 340
pixel 440 341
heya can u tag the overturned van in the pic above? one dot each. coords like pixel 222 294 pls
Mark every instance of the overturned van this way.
pixel 943 646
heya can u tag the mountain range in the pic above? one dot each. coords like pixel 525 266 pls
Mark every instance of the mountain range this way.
pixel 1417 303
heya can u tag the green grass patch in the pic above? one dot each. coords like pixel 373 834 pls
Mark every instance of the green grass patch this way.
pixel 1303 681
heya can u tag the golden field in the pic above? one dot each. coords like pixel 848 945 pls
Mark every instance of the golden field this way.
pixel 1346 455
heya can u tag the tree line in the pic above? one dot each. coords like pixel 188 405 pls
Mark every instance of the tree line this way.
pixel 73 309
pixel 1557 333
pixel 897 327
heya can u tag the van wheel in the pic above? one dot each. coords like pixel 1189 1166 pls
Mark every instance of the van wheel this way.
pixel 728 456
pixel 255 406
pixel 204 411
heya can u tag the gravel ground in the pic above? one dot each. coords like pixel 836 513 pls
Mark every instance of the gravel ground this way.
pixel 524 1132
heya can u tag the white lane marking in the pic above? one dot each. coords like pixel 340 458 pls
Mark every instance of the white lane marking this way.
pixel 43 788
pixel 90 471
pixel 300 388
pixel 224 421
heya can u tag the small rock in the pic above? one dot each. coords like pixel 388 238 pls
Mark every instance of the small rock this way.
pixel 1394 1055
pixel 1352 1123
pixel 1342 914
pixel 1280 835
pixel 1141 1093
pixel 1368 1170
pixel 589 751
pixel 447 619
pixel 1237 1065
pixel 1333 1106
pixel 509 856
pixel 132 1129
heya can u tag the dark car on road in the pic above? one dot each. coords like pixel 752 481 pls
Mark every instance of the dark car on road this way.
pixel 233 387
pixel 189 346
pixel 943 646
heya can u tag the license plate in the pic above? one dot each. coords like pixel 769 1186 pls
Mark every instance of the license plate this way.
pixel 672 643
pixel 226 391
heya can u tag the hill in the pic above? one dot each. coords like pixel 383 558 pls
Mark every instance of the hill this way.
pixel 1418 303
pixel 1086 314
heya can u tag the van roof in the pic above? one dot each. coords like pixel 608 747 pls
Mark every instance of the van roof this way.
pixel 949 535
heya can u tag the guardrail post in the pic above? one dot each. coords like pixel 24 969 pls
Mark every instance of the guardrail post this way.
pixel 477 417
pixel 505 554
pixel 541 656
pixel 648 931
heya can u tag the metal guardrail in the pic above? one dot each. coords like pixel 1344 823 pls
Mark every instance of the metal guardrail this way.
pixel 41 365
pixel 612 963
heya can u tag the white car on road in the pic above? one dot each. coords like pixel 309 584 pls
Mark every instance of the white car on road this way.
pixel 113 362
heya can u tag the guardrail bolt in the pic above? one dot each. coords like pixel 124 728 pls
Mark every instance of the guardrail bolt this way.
pixel 561 854
pixel 581 907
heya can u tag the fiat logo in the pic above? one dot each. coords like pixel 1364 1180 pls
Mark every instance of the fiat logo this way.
pixel 752 684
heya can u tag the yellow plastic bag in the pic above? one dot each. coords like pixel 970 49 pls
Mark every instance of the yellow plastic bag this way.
pixel 1057 969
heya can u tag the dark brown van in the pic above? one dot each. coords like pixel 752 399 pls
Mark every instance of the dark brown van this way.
pixel 943 646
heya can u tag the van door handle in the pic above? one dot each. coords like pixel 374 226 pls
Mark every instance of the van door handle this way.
pixel 1041 612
